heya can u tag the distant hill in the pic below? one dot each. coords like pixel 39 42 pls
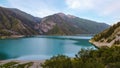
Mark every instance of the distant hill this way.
pixel 16 22
pixel 108 37
pixel 61 24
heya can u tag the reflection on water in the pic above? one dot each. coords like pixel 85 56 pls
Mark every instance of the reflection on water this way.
pixel 42 47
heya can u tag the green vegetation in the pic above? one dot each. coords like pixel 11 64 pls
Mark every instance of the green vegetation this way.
pixel 117 42
pixel 5 32
pixel 55 31
pixel 108 34
pixel 13 23
pixel 91 27
pixel 102 58
pixel 8 65
pixel 16 65
pixel 59 61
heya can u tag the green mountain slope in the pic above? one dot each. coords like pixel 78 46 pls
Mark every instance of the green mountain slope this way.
pixel 12 23
pixel 108 37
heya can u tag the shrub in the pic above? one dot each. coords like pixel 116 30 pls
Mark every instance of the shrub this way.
pixel 100 58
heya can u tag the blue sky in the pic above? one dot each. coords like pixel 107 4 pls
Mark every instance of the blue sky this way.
pixel 107 11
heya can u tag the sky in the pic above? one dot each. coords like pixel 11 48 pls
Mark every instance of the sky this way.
pixel 105 11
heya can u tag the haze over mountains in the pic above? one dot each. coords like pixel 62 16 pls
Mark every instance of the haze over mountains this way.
pixel 17 22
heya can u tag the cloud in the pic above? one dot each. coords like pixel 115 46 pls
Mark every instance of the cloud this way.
pixel 102 7
pixel 112 8
pixel 43 8
pixel 79 4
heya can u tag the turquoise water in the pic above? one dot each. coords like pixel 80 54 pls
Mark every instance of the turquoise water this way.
pixel 42 47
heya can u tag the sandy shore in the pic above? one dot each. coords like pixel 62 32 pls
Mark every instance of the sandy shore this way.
pixel 12 36
pixel 16 36
pixel 36 63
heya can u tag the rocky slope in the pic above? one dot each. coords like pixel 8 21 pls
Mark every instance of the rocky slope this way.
pixel 108 37
pixel 61 24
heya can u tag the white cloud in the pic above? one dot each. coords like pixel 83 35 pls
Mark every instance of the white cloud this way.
pixel 102 7
pixel 79 4
pixel 42 8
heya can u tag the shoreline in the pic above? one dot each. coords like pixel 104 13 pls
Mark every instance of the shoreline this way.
pixel 21 36
pixel 93 44
pixel 12 36
pixel 100 44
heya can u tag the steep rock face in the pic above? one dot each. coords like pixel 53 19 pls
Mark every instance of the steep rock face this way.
pixel 108 37
pixel 57 25
pixel 12 23
pixel 61 24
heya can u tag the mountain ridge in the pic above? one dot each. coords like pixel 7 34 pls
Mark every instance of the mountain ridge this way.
pixel 74 24
pixel 16 22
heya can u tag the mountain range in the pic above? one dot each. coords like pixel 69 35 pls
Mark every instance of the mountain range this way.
pixel 16 22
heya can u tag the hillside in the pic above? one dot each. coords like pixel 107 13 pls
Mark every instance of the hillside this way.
pixel 14 23
pixel 108 37
pixel 25 15
pixel 62 24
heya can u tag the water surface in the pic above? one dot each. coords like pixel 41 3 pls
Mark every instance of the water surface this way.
pixel 42 47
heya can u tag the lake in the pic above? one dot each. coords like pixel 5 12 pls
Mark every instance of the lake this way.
pixel 42 47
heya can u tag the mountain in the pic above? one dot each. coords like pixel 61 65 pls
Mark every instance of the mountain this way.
pixel 108 37
pixel 25 15
pixel 61 24
pixel 16 22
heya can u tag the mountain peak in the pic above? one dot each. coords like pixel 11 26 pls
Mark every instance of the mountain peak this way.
pixel 71 16
pixel 65 15
pixel 60 13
